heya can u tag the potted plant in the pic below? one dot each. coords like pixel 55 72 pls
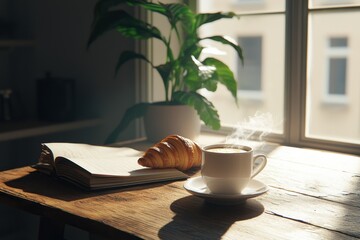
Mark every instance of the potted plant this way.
pixel 184 73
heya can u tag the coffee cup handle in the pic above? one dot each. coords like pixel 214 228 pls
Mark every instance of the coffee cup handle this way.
pixel 259 167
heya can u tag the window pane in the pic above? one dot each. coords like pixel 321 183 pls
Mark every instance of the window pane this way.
pixel 333 86
pixel 261 79
pixel 338 42
pixel 249 74
pixel 241 6
pixel 337 76
pixel 332 3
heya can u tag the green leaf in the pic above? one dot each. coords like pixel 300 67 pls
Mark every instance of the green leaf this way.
pixel 165 70
pixel 132 113
pixel 194 82
pixel 103 6
pixel 199 75
pixel 204 18
pixel 176 12
pixel 124 23
pixel 188 22
pixel 226 40
pixel 190 48
pixel 127 56
pixel 210 85
pixel 153 7
pixel 204 107
pixel 137 29
pixel 223 74
pixel 140 32
pixel 192 79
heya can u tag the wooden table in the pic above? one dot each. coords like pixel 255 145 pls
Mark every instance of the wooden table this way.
pixel 313 195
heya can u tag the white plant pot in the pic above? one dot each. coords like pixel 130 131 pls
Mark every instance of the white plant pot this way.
pixel 163 120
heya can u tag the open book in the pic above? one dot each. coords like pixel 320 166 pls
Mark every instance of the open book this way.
pixel 98 167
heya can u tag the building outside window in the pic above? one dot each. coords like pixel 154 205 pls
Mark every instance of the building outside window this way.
pixel 261 78
pixel 320 76
pixel 249 74
pixel 301 60
pixel 335 90
pixel 333 86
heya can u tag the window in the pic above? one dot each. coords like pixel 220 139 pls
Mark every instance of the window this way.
pixel 311 89
pixel 249 74
pixel 335 90
pixel 302 58
pixel 260 32
pixel 337 76
pixel 333 86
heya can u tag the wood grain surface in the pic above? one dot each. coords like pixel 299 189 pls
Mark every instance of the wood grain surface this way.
pixel 313 195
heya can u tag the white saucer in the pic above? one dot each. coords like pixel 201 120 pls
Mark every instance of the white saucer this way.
pixel 197 187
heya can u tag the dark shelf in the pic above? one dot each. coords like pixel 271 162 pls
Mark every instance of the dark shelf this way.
pixel 20 129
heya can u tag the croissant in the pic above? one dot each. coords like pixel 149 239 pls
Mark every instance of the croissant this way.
pixel 174 151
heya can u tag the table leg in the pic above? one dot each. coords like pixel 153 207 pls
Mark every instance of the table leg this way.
pixel 51 229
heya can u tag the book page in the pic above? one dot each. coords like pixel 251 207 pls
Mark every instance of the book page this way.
pixel 84 151
pixel 110 165
pixel 101 160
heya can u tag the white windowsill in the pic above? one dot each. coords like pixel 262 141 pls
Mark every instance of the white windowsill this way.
pixel 251 95
pixel 336 100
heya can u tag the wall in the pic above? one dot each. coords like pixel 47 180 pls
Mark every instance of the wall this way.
pixel 325 118
pixel 60 30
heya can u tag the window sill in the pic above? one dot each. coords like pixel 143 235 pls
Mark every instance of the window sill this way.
pixel 251 95
pixel 335 101
pixel 271 150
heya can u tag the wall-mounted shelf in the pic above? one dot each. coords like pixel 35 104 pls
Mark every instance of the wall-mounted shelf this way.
pixel 22 129
pixel 10 43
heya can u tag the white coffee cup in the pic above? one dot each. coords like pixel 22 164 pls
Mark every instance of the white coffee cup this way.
pixel 228 168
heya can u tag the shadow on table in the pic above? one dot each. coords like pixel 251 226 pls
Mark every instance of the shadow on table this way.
pixel 349 223
pixel 203 220
pixel 44 185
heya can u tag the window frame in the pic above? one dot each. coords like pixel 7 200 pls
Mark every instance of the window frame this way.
pixel 296 81
pixel 295 115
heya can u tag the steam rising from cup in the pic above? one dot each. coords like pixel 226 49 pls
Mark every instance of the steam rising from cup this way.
pixel 254 129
